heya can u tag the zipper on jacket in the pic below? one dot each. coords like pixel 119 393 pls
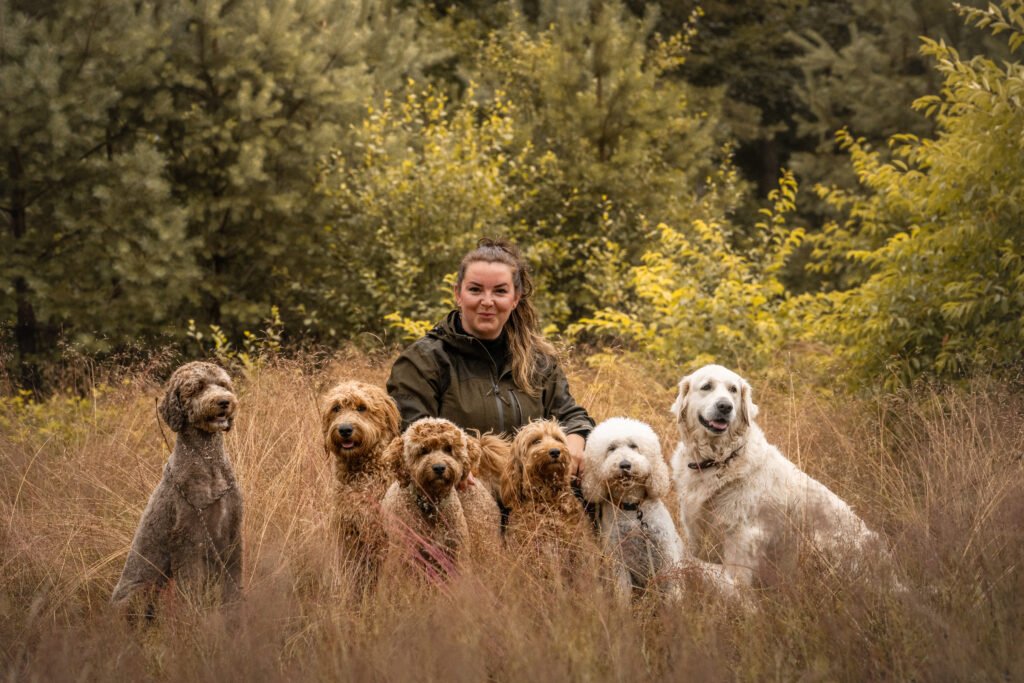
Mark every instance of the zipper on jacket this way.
pixel 495 388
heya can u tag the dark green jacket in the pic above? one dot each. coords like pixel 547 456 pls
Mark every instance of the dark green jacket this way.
pixel 451 375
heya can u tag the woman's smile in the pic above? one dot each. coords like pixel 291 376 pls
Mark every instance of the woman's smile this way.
pixel 486 298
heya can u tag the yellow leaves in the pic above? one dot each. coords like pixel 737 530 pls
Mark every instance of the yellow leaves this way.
pixel 699 297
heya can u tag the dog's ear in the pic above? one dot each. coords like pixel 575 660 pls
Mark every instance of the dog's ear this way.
pixel 590 482
pixel 512 483
pixel 394 457
pixel 748 409
pixel 171 406
pixel 682 399
pixel 659 481
pixel 474 453
pixel 465 458
pixel 392 418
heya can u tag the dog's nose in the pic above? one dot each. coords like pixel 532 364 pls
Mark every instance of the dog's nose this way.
pixel 554 453
pixel 223 404
pixel 439 469
pixel 625 466
pixel 723 407
pixel 345 430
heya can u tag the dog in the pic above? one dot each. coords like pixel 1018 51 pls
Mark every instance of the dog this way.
pixel 545 518
pixel 191 529
pixel 479 494
pixel 626 479
pixel 359 421
pixel 740 500
pixel 425 515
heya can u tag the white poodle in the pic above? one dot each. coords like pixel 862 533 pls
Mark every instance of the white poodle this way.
pixel 625 476
pixel 740 499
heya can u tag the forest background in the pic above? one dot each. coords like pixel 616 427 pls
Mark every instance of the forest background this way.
pixel 218 176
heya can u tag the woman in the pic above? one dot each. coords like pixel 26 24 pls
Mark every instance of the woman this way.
pixel 486 365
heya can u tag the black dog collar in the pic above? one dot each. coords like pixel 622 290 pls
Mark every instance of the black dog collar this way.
pixel 711 463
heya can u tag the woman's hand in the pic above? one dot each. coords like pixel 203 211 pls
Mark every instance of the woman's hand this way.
pixel 575 443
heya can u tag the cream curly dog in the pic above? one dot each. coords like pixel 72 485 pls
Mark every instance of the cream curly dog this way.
pixel 191 529
pixel 742 502
pixel 426 523
pixel 359 421
pixel 626 478
pixel 545 518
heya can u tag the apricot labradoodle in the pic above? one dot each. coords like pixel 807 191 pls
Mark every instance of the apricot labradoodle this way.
pixel 359 421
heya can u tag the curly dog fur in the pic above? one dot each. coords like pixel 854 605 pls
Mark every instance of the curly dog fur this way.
pixel 545 517
pixel 626 478
pixel 488 456
pixel 424 510
pixel 359 421
pixel 191 529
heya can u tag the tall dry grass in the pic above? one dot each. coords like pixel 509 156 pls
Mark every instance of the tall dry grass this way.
pixel 939 472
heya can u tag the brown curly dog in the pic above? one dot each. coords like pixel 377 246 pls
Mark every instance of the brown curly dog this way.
pixel 545 521
pixel 488 457
pixel 359 421
pixel 426 523
pixel 191 529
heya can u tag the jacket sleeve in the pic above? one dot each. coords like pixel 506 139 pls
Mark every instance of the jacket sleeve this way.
pixel 560 405
pixel 416 384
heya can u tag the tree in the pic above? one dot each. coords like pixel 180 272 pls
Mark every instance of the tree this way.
pixel 931 250
pixel 94 241
pixel 625 145
pixel 424 179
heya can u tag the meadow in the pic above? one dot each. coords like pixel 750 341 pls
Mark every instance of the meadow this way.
pixel 937 470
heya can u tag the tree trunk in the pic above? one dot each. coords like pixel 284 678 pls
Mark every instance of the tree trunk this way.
pixel 26 327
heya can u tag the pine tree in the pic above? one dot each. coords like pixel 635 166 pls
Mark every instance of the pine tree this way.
pixel 94 242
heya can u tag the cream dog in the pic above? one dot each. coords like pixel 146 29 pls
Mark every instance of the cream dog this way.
pixel 625 476
pixel 740 499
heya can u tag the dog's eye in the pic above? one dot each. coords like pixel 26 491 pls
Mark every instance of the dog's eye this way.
pixel 535 442
pixel 732 388
pixel 335 408
pixel 361 409
pixel 632 445
pixel 706 387
pixel 447 448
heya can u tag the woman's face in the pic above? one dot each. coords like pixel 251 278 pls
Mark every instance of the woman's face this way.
pixel 486 298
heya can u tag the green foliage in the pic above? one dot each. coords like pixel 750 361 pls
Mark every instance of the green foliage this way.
pixel 426 178
pixel 94 241
pixel 701 299
pixel 159 160
pixel 624 143
pixel 931 251
pixel 257 349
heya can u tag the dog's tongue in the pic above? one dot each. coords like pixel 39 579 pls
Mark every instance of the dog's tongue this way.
pixel 718 424
pixel 348 444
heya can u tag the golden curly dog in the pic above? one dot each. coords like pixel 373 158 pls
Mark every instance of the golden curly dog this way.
pixel 545 518
pixel 359 421
pixel 488 456
pixel 425 520
pixel 191 529
pixel 741 502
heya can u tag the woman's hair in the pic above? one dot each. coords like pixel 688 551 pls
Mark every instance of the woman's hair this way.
pixel 524 338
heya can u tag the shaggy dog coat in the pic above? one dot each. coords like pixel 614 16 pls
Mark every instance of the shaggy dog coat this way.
pixel 488 455
pixel 545 519
pixel 741 502
pixel 426 523
pixel 191 529
pixel 359 421
pixel 625 477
